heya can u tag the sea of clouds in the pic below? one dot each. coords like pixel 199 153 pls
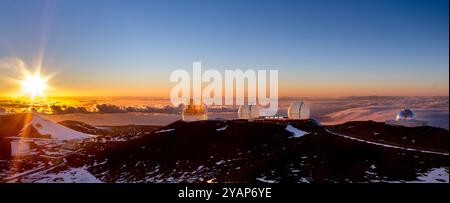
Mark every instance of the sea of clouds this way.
pixel 435 110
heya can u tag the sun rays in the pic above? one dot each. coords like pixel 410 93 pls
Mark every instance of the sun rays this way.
pixel 31 83
pixel 34 84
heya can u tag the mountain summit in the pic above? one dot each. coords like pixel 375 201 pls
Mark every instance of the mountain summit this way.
pixel 32 125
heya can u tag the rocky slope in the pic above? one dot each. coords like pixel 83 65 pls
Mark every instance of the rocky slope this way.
pixel 249 152
pixel 241 151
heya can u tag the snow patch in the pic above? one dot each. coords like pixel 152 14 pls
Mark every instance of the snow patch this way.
pixel 199 168
pixel 220 162
pixel 103 127
pixel 56 131
pixel 435 175
pixel 222 129
pixel 265 180
pixel 70 175
pixel 165 130
pixel 296 132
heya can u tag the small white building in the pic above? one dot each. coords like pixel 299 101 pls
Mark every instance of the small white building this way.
pixel 406 118
pixel 20 147
pixel 248 112
pixel 193 112
pixel 298 110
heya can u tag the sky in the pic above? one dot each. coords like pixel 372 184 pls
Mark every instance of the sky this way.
pixel 321 48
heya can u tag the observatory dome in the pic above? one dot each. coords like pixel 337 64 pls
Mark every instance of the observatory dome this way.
pixel 195 112
pixel 248 111
pixel 406 118
pixel 405 114
pixel 298 110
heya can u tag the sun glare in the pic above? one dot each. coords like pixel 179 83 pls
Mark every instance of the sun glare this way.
pixel 34 84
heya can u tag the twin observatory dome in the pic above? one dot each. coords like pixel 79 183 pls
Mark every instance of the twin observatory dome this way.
pixel 197 112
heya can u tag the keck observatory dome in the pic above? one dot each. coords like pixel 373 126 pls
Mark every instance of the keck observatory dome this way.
pixel 248 111
pixel 298 110
pixel 405 114
pixel 195 112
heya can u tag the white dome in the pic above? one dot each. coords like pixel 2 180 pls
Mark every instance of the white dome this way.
pixel 195 112
pixel 405 114
pixel 298 110
pixel 248 111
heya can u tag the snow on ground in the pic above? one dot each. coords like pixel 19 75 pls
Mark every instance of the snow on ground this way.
pixel 57 131
pixel 16 175
pixel 220 162
pixel 436 175
pixel 71 175
pixel 264 180
pixel 222 129
pixel 165 130
pixel 103 127
pixel 296 132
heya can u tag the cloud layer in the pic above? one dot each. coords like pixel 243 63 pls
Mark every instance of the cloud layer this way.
pixel 435 110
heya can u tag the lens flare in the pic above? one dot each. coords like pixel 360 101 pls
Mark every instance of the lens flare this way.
pixel 34 84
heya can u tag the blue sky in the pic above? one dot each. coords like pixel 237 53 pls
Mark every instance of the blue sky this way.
pixel 333 47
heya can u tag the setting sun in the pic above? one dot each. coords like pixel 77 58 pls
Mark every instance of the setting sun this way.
pixel 34 84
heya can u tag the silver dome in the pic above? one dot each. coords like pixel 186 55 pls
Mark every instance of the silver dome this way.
pixel 405 114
